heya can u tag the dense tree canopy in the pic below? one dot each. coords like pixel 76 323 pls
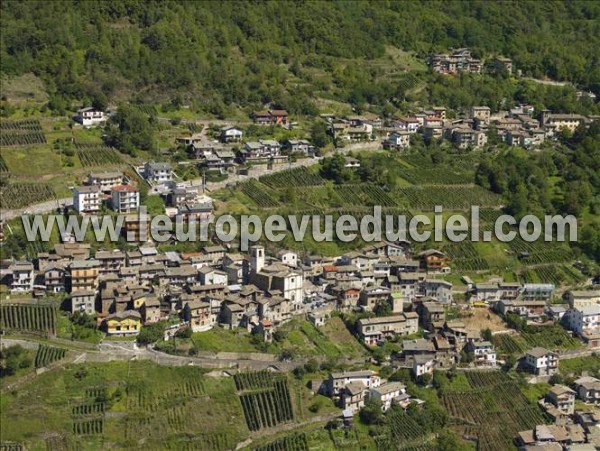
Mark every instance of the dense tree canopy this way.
pixel 243 53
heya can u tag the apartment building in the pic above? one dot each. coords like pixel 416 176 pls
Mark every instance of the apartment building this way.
pixel 87 199
pixel 125 198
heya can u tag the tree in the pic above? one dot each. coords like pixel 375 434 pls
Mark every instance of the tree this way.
pixel 448 440
pixel 371 413
pixel 318 135
pixel 486 334
pixel 151 334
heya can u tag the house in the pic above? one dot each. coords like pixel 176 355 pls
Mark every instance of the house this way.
pixel 22 277
pixel 410 125
pixel 84 275
pixel 54 278
pixel 212 276
pixel 509 290
pixel 90 116
pixel 537 292
pixel 125 323
pixel 271 117
pixel 582 320
pixel 562 121
pixel 431 315
pixel 563 398
pixel 287 257
pixel 299 146
pixel 370 297
pixel 125 198
pixel 375 330
pixel 386 393
pixel 197 313
pixel 483 351
pixel 86 199
pixel 486 292
pixel 422 364
pixel 83 301
pixel 105 180
pixel 337 381
pixel 352 397
pixel 439 289
pixel 587 389
pixel 158 173
pixel 397 140
pixel 541 362
pixel 465 138
pixel 150 310
pixel 583 298
pixel 480 114
pixel 433 260
pixel 231 134
pixel 110 261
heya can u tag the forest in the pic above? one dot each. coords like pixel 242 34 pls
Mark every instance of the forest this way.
pixel 250 53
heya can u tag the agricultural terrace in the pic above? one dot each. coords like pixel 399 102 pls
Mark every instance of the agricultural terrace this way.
pixel 117 404
pixel 3 166
pixel 24 132
pixel 265 399
pixel 453 197
pixel 301 176
pixel 577 366
pixel 293 442
pixel 29 318
pixel 493 409
pixel 45 355
pixel 18 195
pixel 93 155
pixel 549 337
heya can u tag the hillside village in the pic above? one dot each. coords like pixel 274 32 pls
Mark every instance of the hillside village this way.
pixel 389 343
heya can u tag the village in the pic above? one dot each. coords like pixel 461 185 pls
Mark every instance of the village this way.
pixel 415 321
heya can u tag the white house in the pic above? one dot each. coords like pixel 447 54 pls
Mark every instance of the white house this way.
pixel 337 381
pixel 583 298
pixel 106 180
pixel 22 277
pixel 541 362
pixel 438 289
pixel 158 173
pixel 90 116
pixel 231 134
pixel 86 199
pixel 583 320
pixel 484 353
pixel 386 393
pixel 289 258
pixel 125 198
pixel 422 364
pixel 486 292
pixel 397 140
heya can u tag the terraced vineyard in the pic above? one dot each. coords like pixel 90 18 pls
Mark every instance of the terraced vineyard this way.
pixel 509 344
pixel 464 257
pixel 259 195
pixel 495 410
pixel 93 154
pixel 556 274
pixel 3 167
pixel 294 442
pixel 300 176
pixel 265 399
pixel 48 354
pixel 26 132
pixel 450 197
pixel 550 337
pixel 18 195
pixel 435 176
pixel 29 318
pixel 540 251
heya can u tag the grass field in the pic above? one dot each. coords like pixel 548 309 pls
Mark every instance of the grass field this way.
pixel 301 338
pixel 578 365
pixel 120 404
